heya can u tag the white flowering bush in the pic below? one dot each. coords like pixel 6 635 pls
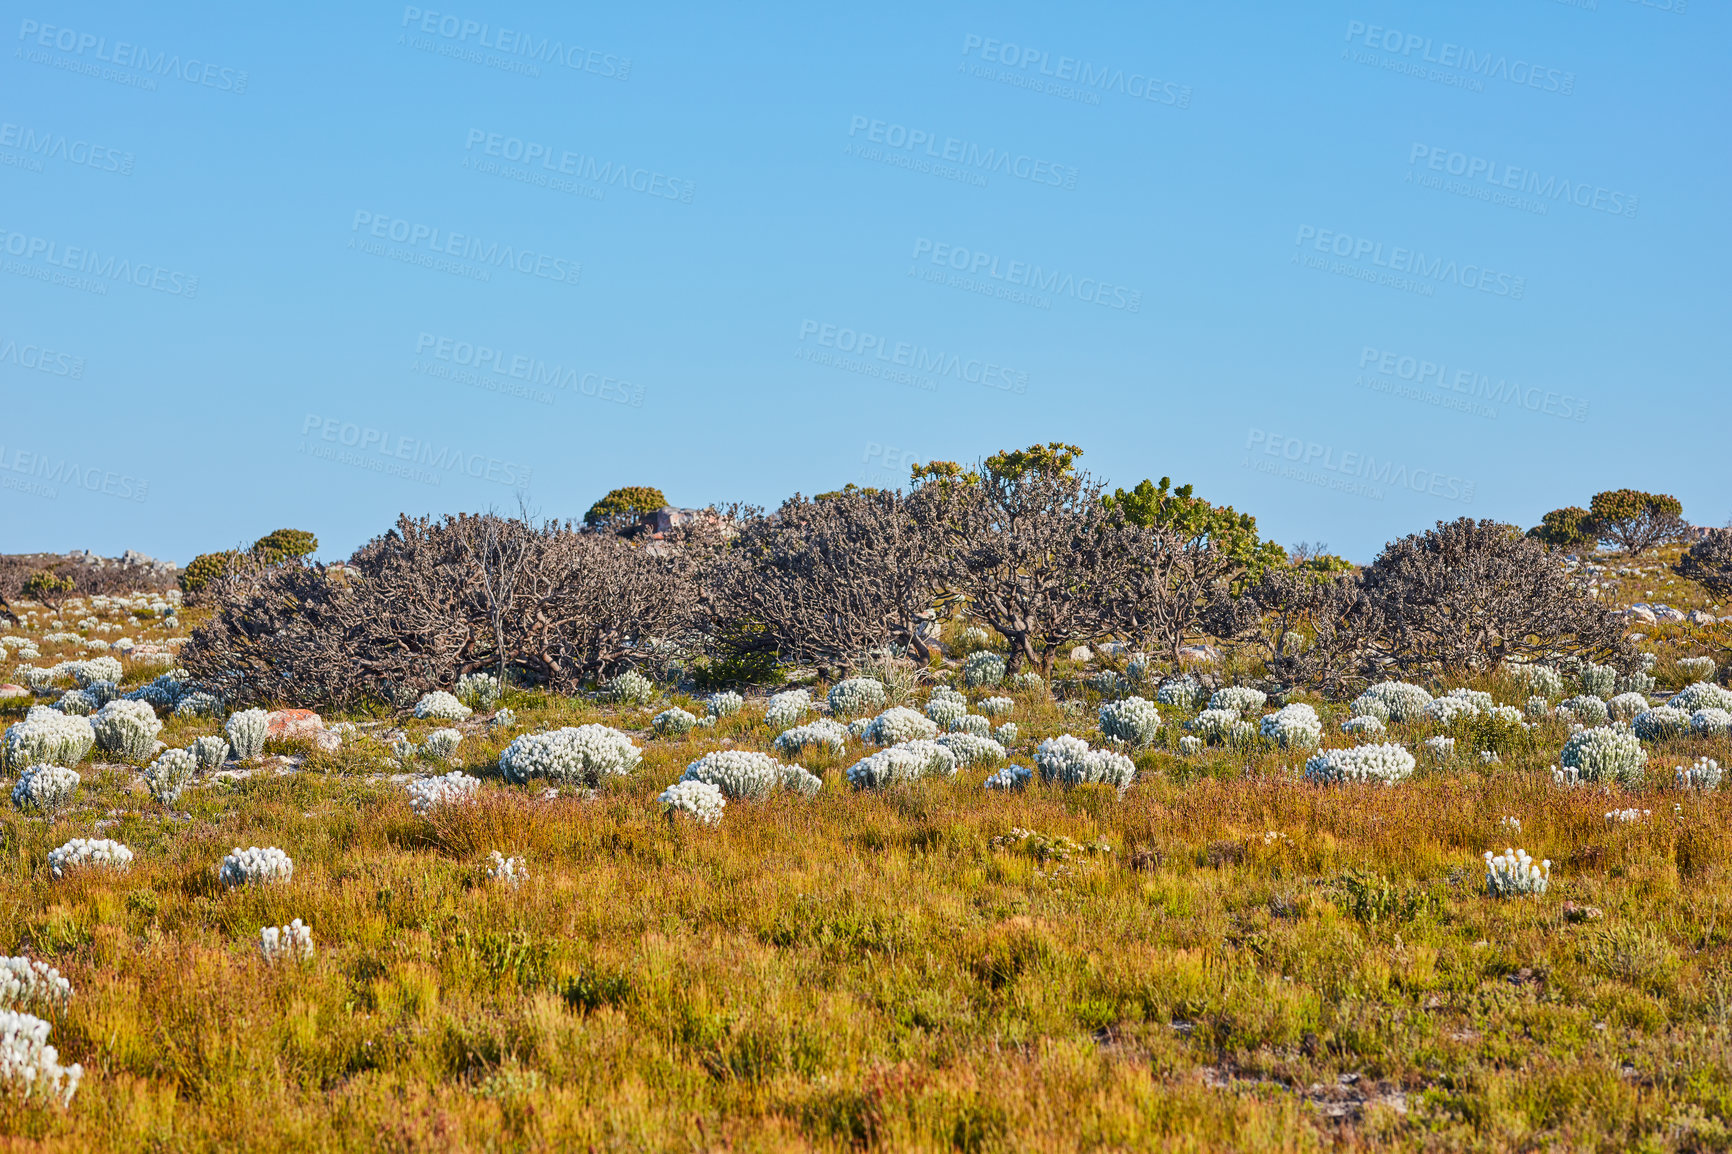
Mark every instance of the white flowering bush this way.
pixel 1009 777
pixel 983 668
pixel 1514 874
pixel 698 800
pixel 821 734
pixel 674 722
pixel 1599 680
pixel 1183 692
pixel 1540 680
pixel 1005 734
pixel 1701 695
pixel 580 755
pixel 168 776
pixel 1134 721
pixel 510 871
pixel 45 789
pixel 441 706
pixel 290 943
pixel 1295 726
pixel 1190 746
pixel 198 703
pixel 798 779
pixel 427 794
pixel 996 706
pixel 724 704
pixel 1660 722
pixel 1604 754
pixel 209 752
pixel 1027 682
pixel 1586 708
pixel 1699 668
pixel 946 709
pixel 1567 777
pixel 1711 722
pixel 1445 710
pixel 89 853
pixel 1393 701
pixel 1505 715
pixel 95 669
pixel 1366 724
pixel 441 744
pixel 629 688
pixel 787 707
pixel 856 695
pixel 738 773
pixel 25 982
pixel 1441 748
pixel 1537 708
pixel 1213 725
pixel 902 762
pixel 478 690
pixel 1387 763
pixel 246 732
pixel 972 723
pixel 1066 760
pixel 971 749
pixel 126 729
pixel 255 866
pixel 1702 776
pixel 1239 699
pixel 1639 682
pixel 897 725
pixel 76 702
pixel 29 1065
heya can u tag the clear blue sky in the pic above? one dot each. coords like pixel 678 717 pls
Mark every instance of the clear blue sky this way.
pixel 1255 247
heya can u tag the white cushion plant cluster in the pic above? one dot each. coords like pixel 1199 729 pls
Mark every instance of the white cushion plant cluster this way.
pixel 902 762
pixel 1066 760
pixel 824 734
pixel 172 771
pixel 255 866
pixel 724 704
pixel 1295 726
pixel 1134 721
pixel 744 775
pixel 45 789
pixel 629 688
pixel 481 690
pixel 1440 747
pixel 1238 699
pixel 45 736
pixel 29 1065
pixel 1701 668
pixel 1220 725
pixel 1393 701
pixel 1625 706
pixel 1660 722
pixel 787 707
pixel 997 706
pixel 1366 724
pixel 429 793
pixel 511 871
pixel 25 982
pixel 674 722
pixel 441 706
pixel 89 853
pixel 1514 874
pixel 246 732
pixel 580 755
pixel 1386 762
pixel 896 725
pixel 972 749
pixel 983 668
pixel 972 723
pixel 1009 777
pixel 1703 776
pixel 1711 722
pixel 1606 754
pixel 698 800
pixel 1586 708
pixel 854 696
pixel 1540 680
pixel 1701 695
pixel 441 744
pixel 945 706
pixel 127 729
pixel 1184 692
pixel 290 943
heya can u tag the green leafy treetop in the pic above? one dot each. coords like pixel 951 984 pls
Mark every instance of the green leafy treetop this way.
pixel 1053 459
pixel 205 568
pixel 622 506
pixel 941 471
pixel 284 545
pixel 1568 528
pixel 48 588
pixel 1179 510
pixel 1635 521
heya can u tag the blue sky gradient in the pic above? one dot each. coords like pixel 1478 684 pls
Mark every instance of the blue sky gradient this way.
pixel 1349 267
